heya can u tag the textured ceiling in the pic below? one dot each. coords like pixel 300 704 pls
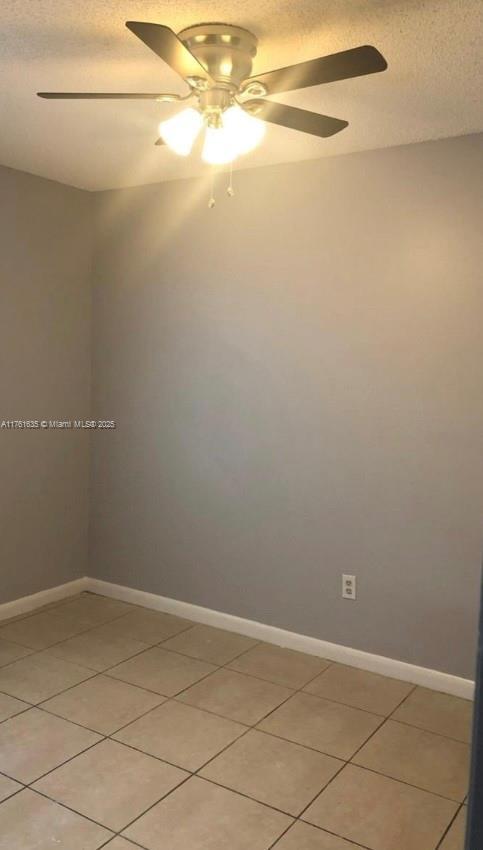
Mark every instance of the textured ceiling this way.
pixel 433 87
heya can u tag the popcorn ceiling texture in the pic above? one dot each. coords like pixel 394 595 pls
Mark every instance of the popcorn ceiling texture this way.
pixel 431 90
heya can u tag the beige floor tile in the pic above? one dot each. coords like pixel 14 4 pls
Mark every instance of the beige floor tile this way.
pixel 147 626
pixel 90 611
pixel 41 609
pixel 279 665
pixel 208 644
pixel 58 602
pixel 10 706
pixel 334 729
pixel 34 742
pixel 103 704
pixel 278 773
pixel 180 734
pixel 301 836
pixel 40 630
pixel 380 813
pixel 455 838
pixel 111 783
pixel 8 787
pixel 12 652
pixel 40 676
pixel 121 844
pixel 31 822
pixel 360 689
pixel 97 652
pixel 429 761
pixel 436 712
pixel 234 695
pixel 202 816
pixel 5 621
pixel 164 672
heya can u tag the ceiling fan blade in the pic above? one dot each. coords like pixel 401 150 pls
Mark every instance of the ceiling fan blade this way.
pixel 296 119
pixel 64 95
pixel 338 66
pixel 166 44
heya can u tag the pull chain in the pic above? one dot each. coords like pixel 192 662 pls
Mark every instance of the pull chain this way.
pixel 212 202
pixel 230 191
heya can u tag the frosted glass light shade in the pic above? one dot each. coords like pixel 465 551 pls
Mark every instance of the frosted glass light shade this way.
pixel 245 130
pixel 180 132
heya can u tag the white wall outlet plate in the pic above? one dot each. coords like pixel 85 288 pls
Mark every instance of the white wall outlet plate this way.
pixel 349 587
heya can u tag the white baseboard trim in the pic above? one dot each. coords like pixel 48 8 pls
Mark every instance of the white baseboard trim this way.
pixel 433 679
pixel 45 597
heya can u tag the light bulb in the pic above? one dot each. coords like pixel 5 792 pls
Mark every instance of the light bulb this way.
pixel 245 130
pixel 219 147
pixel 180 132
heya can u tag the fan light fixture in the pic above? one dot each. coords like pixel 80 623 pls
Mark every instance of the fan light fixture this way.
pixel 227 136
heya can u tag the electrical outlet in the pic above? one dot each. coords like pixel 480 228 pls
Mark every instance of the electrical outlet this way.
pixel 349 587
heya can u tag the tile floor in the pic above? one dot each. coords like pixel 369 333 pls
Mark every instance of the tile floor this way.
pixel 126 728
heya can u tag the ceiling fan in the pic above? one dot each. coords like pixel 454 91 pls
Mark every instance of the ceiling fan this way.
pixel 215 60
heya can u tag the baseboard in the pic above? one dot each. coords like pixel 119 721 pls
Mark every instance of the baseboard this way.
pixel 45 597
pixel 433 679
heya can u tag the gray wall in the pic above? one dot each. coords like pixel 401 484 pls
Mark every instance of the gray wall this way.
pixel 296 377
pixel 45 267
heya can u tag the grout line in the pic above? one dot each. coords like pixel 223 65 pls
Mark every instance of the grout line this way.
pixel 18 645
pixel 168 793
pixel 403 782
pixel 70 809
pixel 398 706
pixel 281 836
pixel 350 843
pixel 62 764
pixel 119 835
pixel 149 755
pixel 445 833
pixel 18 713
pixel 304 746
pixel 336 774
pixel 217 664
pixel 114 731
pixel 247 797
pixel 429 731
pixel 14 794
pixel 92 669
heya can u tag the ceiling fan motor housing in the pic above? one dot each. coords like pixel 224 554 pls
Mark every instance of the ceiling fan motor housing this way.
pixel 225 51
